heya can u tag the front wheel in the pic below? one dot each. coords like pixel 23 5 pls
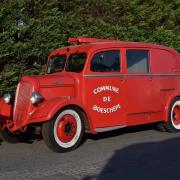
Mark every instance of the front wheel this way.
pixel 65 131
pixel 173 123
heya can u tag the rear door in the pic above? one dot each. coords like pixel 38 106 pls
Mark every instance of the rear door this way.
pixel 140 89
pixel 105 89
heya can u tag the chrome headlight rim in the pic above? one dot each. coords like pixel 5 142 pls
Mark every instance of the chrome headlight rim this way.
pixel 36 98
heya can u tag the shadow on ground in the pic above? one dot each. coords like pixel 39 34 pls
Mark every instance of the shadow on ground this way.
pixel 148 161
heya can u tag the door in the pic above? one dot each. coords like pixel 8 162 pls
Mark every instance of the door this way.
pixel 139 84
pixel 104 89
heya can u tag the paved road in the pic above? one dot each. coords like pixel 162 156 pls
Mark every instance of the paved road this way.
pixel 131 153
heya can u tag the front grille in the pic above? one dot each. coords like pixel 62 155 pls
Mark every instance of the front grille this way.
pixel 22 102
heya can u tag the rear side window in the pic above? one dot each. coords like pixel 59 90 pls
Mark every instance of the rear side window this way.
pixel 107 61
pixel 137 60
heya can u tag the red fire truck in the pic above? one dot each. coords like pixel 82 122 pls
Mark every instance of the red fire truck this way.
pixel 93 86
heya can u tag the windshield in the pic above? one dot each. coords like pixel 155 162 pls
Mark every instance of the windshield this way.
pixel 56 64
pixel 75 62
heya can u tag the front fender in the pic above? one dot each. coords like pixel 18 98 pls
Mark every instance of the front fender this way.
pixel 48 109
pixel 6 113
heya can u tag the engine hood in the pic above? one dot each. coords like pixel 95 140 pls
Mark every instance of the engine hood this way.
pixel 54 80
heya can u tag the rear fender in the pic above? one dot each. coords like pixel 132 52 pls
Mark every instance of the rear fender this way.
pixel 48 109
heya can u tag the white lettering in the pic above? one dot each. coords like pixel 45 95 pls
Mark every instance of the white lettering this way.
pixel 106 88
pixel 106 99
pixel 106 110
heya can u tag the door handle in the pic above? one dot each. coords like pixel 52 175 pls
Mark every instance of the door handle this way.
pixel 122 80
pixel 150 78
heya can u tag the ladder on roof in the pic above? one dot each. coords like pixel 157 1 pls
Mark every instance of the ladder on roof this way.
pixel 81 40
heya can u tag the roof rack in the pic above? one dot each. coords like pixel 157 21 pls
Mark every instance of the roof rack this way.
pixel 81 40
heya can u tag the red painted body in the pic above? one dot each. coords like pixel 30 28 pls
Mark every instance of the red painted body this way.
pixel 129 98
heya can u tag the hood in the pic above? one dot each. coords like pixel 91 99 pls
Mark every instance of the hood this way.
pixel 55 80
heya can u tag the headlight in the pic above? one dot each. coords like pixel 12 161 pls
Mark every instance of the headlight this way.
pixel 35 98
pixel 7 98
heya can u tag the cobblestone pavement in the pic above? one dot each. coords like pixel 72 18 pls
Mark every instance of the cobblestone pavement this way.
pixel 131 153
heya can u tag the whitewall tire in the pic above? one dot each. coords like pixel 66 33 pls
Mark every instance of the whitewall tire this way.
pixel 65 131
pixel 173 123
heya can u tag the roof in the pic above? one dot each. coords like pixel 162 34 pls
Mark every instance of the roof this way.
pixel 87 44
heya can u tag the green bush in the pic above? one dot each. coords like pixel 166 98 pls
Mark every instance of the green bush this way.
pixel 45 25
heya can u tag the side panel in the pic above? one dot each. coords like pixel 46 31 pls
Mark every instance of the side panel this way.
pixel 149 93
pixel 105 100
pixel 140 99
pixel 164 67
pixel 162 62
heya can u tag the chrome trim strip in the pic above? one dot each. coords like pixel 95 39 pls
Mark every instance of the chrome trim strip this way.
pixel 66 97
pixel 148 112
pixel 56 85
pixel 128 75
pixel 108 128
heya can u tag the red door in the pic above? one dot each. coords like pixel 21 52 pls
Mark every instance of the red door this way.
pixel 139 86
pixel 104 88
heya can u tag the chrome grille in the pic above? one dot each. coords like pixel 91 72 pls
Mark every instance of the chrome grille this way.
pixel 22 102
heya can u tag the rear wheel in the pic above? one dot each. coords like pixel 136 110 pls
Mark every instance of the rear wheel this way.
pixel 173 123
pixel 65 131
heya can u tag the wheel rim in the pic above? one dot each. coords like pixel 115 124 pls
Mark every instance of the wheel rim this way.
pixel 67 128
pixel 175 115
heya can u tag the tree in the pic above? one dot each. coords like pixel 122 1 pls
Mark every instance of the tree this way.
pixel 30 29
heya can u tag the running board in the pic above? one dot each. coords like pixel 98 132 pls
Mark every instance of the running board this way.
pixel 108 128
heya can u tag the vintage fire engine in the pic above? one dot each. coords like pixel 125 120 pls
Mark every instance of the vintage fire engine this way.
pixel 93 86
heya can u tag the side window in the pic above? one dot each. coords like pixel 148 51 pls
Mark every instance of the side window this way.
pixel 137 60
pixel 107 61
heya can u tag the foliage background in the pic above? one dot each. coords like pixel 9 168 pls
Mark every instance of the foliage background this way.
pixel 48 24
